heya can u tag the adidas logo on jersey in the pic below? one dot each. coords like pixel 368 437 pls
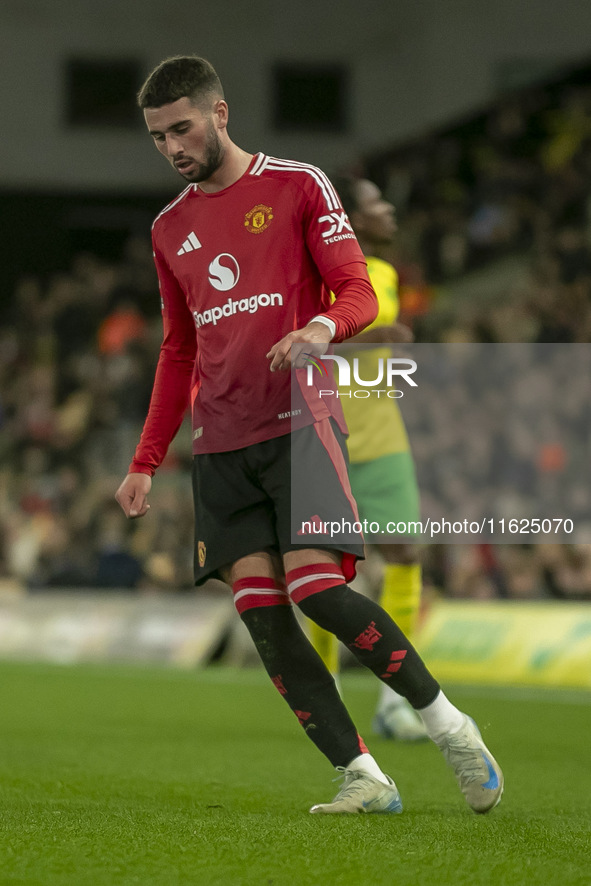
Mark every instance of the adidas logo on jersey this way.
pixel 190 244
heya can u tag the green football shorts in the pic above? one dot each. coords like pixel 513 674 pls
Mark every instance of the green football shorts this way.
pixel 386 492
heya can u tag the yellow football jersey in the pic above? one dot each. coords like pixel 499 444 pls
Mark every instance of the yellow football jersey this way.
pixel 375 424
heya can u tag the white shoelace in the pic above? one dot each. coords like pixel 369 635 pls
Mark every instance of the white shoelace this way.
pixel 350 779
pixel 459 753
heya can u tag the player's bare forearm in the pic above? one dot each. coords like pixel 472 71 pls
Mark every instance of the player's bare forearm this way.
pixel 281 356
pixel 132 495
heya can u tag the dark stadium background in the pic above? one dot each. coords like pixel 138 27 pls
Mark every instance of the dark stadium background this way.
pixel 135 744
pixel 474 120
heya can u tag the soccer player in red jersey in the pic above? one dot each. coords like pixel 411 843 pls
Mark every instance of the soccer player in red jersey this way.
pixel 247 256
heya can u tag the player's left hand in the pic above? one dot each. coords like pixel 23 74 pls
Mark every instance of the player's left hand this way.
pixel 281 354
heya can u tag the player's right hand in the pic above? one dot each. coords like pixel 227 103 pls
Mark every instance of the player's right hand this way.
pixel 132 495
pixel 314 334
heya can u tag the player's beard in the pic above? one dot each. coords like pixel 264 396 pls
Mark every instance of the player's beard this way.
pixel 214 155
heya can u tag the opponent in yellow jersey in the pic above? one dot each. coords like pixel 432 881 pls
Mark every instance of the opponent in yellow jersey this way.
pixel 375 424
pixel 381 468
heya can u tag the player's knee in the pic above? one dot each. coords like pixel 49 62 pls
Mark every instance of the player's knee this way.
pixel 256 592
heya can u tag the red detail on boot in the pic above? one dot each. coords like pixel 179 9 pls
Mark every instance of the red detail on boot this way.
pixel 368 638
pixel 395 663
pixel 303 716
pixel 278 684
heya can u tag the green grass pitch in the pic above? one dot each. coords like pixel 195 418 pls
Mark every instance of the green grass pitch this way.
pixel 113 775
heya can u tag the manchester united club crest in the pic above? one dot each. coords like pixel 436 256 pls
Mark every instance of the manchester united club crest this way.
pixel 367 638
pixel 201 553
pixel 258 219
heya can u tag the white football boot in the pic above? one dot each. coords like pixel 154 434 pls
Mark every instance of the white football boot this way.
pixel 361 792
pixel 477 772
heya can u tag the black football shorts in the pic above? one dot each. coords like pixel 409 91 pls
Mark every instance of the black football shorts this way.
pixel 280 495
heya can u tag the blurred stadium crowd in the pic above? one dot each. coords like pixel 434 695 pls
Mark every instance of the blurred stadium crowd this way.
pixel 512 181
pixel 77 360
pixel 503 432
pixel 78 352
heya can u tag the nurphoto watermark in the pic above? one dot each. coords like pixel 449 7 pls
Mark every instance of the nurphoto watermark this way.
pixel 453 443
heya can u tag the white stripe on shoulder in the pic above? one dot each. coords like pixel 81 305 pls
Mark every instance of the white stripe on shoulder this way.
pixel 320 177
pixel 178 199
pixel 259 164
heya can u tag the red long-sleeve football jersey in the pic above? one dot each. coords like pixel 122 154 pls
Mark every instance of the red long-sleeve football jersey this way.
pixel 238 270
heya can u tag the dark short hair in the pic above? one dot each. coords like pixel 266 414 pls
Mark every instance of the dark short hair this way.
pixel 346 188
pixel 182 76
